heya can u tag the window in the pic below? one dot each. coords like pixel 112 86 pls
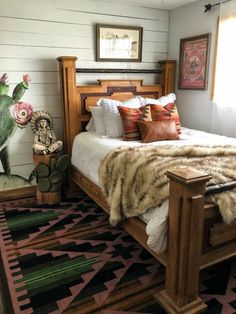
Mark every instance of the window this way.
pixel 225 66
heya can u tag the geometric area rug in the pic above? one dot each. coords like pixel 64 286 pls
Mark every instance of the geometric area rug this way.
pixel 68 259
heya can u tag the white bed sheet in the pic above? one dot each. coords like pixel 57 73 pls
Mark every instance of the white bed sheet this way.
pixel 89 149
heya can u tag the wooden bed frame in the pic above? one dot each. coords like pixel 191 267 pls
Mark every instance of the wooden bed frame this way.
pixel 197 237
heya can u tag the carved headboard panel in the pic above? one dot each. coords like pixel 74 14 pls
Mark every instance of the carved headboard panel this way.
pixel 76 100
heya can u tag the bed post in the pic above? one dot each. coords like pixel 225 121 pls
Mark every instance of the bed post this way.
pixel 67 71
pixel 185 231
pixel 167 78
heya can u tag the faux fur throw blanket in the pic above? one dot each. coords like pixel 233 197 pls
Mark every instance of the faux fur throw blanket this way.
pixel 133 179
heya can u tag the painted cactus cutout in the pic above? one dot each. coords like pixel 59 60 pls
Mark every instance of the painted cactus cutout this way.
pixel 13 114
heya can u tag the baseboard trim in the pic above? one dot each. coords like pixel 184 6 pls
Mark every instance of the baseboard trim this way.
pixel 21 192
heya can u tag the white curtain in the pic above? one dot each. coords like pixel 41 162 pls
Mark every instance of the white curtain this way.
pixel 224 101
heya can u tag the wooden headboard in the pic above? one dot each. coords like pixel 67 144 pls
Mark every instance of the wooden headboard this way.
pixel 77 99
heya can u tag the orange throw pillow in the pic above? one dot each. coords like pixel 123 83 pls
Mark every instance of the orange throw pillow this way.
pixel 160 112
pixel 130 118
pixel 161 130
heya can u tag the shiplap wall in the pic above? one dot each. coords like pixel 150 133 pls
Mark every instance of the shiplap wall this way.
pixel 34 33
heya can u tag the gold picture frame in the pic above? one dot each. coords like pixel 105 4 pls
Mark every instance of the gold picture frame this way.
pixel 119 43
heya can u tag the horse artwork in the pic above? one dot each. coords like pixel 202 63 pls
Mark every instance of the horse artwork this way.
pixel 13 113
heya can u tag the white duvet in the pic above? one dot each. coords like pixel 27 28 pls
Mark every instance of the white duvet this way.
pixel 89 149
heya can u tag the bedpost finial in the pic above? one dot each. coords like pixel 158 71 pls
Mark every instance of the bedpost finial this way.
pixel 67 58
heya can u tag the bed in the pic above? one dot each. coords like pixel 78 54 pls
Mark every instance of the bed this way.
pixel 197 236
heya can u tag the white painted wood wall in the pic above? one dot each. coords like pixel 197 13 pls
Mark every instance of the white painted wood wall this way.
pixel 34 33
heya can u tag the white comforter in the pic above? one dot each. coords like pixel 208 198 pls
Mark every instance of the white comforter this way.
pixel 89 149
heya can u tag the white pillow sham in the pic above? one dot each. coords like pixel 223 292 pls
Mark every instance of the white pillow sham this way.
pixel 90 127
pixel 97 115
pixel 111 115
pixel 163 100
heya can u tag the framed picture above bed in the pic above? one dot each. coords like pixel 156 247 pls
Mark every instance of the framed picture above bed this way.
pixel 119 43
pixel 193 62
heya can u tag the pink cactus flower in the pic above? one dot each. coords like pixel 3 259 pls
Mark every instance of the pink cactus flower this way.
pixel 21 112
pixel 4 79
pixel 26 78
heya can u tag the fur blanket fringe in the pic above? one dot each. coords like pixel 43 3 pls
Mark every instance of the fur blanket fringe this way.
pixel 134 180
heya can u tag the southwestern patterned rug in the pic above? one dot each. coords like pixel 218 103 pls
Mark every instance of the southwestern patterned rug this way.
pixel 68 259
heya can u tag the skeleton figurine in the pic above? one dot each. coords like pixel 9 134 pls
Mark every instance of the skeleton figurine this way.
pixel 44 137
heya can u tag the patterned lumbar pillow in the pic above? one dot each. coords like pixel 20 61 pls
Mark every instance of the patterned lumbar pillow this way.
pixel 130 118
pixel 160 112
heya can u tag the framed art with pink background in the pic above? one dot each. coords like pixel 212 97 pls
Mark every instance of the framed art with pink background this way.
pixel 193 62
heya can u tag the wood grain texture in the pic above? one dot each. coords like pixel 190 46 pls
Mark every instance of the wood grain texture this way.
pixel 190 220
pixel 185 232
pixel 222 233
pixel 17 193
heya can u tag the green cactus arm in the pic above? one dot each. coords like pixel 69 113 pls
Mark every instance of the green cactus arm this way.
pixel 63 163
pixel 4 89
pixel 44 184
pixel 42 170
pixel 53 163
pixel 56 177
pixel 18 92
pixel 7 123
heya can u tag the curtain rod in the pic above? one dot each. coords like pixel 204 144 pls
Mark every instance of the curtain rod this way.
pixel 209 6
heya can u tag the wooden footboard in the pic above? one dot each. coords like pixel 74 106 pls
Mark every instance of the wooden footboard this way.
pixel 193 243
pixel 219 239
pixel 197 237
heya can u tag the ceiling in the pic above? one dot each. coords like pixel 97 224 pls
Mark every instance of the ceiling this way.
pixel 158 4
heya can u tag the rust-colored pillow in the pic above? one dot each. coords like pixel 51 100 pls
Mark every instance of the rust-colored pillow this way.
pixel 161 130
pixel 160 112
pixel 130 118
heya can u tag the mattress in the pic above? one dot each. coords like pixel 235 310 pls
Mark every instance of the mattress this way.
pixel 89 149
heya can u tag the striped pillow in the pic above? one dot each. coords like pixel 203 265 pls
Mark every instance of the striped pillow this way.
pixel 130 118
pixel 160 112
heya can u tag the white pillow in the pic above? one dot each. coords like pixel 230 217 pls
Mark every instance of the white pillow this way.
pixel 97 115
pixel 90 127
pixel 111 115
pixel 135 102
pixel 164 100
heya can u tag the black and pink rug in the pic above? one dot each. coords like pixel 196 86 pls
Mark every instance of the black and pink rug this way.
pixel 68 259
